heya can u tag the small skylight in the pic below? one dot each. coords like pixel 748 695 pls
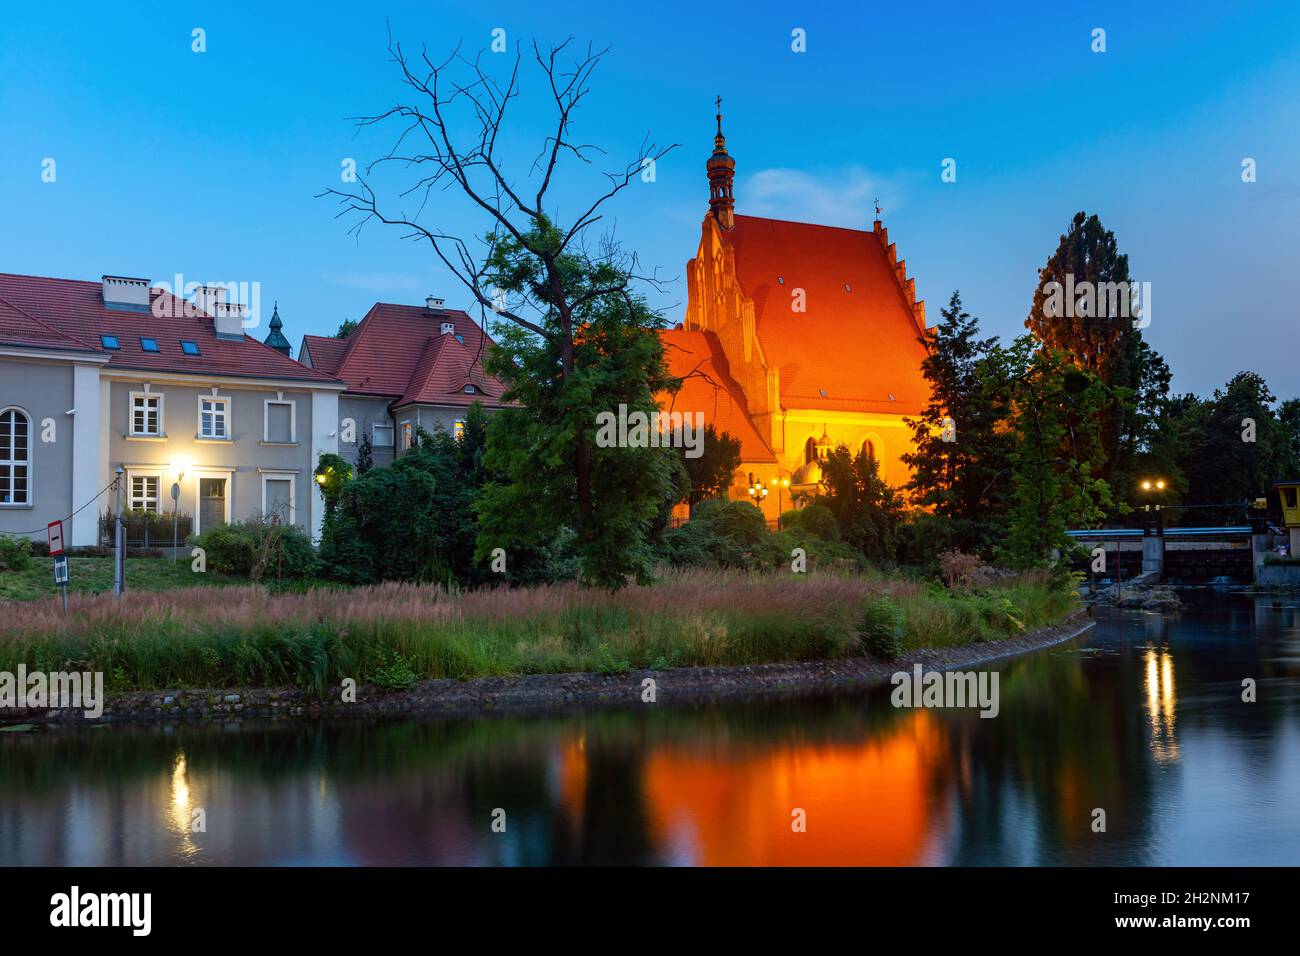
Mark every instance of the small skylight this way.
pixel 149 345
pixel 189 348
pixel 460 339
pixel 109 342
pixel 847 288
pixel 821 392
pixel 780 280
pixel 891 396
pixel 469 389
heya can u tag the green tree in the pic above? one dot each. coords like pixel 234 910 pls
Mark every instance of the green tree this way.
pixel 866 509
pixel 1054 465
pixel 365 454
pixel 346 328
pixel 614 365
pixel 962 449
pixel 1083 307
pixel 1234 445
pixel 710 474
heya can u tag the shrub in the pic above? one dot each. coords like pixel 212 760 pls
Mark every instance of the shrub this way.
pixel 959 569
pixel 258 550
pixel 723 534
pixel 229 549
pixel 15 553
pixel 880 630
pixel 816 519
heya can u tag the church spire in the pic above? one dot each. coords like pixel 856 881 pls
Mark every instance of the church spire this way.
pixel 276 339
pixel 722 173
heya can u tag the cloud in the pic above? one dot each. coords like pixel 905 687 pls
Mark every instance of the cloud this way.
pixel 841 198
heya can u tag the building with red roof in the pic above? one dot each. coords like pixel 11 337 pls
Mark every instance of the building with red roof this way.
pixel 406 368
pixel 797 338
pixel 117 374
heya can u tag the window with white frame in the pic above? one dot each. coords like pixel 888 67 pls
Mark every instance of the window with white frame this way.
pixel 214 417
pixel 15 457
pixel 146 414
pixel 381 436
pixel 279 425
pixel 458 430
pixel 144 493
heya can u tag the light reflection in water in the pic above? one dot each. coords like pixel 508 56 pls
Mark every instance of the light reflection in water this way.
pixel 1161 703
pixel 866 803
pixel 181 811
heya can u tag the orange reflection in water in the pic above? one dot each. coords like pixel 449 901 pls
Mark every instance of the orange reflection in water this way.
pixel 866 803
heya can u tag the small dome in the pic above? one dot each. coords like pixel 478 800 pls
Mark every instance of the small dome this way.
pixel 808 475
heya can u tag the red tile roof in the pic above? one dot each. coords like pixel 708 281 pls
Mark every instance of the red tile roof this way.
pixel 326 352
pixel 445 368
pixel 707 386
pixel 857 343
pixel 70 313
pixel 398 352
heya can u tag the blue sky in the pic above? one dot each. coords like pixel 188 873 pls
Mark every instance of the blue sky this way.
pixel 208 165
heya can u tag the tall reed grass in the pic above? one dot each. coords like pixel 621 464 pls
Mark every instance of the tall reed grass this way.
pixel 243 636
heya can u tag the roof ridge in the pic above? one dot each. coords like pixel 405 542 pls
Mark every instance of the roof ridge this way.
pixel 800 222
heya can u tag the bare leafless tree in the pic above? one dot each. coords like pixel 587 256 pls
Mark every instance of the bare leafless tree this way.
pixel 450 128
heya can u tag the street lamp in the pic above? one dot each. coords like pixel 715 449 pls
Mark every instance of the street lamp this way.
pixel 780 484
pixel 758 493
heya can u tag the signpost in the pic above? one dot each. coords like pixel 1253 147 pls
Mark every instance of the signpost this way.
pixel 176 497
pixel 54 531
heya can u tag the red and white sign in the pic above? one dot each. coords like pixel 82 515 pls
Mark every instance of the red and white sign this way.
pixel 55 530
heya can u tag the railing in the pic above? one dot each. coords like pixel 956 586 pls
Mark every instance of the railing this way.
pixel 146 529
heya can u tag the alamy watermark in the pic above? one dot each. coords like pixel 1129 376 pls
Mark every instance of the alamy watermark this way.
pixel 1107 300
pixel 946 689
pixel 57 690
pixel 189 299
pixel 654 430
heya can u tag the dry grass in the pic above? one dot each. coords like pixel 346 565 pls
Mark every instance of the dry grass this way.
pixel 243 636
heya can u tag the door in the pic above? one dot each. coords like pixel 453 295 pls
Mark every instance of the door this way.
pixel 212 502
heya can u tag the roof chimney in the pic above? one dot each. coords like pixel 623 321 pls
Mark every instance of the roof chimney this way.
pixel 129 295
pixel 227 317
pixel 432 303
pixel 448 328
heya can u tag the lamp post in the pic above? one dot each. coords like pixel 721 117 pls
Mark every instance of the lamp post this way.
pixel 758 493
pixel 780 484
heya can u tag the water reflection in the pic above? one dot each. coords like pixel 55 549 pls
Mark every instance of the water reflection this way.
pixel 1144 719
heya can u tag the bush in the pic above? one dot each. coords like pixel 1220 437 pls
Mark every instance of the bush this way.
pixel 258 550
pixel 723 534
pixel 15 553
pixel 959 569
pixel 816 519
pixel 229 549
pixel 881 628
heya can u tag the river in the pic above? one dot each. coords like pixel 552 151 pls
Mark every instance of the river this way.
pixel 1143 718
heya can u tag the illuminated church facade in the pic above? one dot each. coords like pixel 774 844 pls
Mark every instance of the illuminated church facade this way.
pixel 797 338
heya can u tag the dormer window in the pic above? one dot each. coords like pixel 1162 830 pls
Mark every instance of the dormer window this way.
pixel 448 328
pixel 470 389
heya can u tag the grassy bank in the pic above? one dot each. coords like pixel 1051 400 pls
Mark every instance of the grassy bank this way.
pixel 394 634
pixel 95 576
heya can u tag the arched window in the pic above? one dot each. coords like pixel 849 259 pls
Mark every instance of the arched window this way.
pixel 869 447
pixel 809 450
pixel 15 457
